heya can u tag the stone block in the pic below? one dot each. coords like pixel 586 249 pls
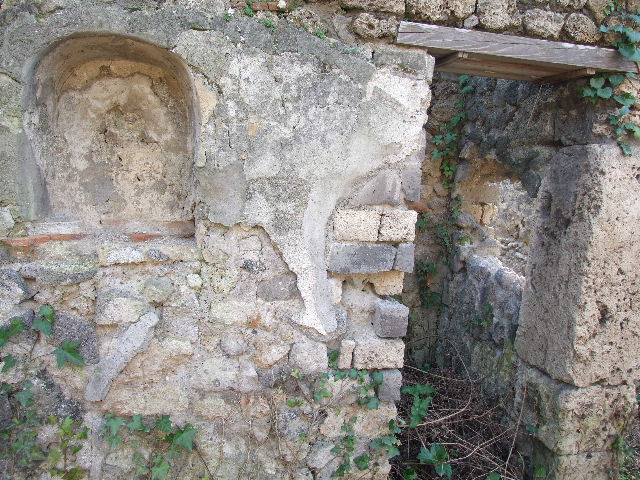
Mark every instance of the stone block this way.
pixel 356 225
pixel 12 287
pixel 390 318
pixel 398 226
pixel 383 189
pixel 216 374
pixel 574 420
pixel 346 354
pixel 595 465
pixel 133 340
pixel 581 28
pixel 114 255
pixel 578 326
pixel 391 6
pixel 212 408
pixel 56 273
pixel 405 258
pixel 419 63
pixel 374 353
pixel 233 345
pixel 389 391
pixel 335 289
pixel 161 358
pixel 309 357
pixel 368 424
pixel 157 290
pixel 440 10
pixel 369 26
pixel 543 23
pixel 387 283
pixel 149 399
pixel 412 182
pixel 498 14
pixel 281 287
pixel 361 258
pixel 6 221
pixel 116 307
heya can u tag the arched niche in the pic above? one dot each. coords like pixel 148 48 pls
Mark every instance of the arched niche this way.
pixel 113 133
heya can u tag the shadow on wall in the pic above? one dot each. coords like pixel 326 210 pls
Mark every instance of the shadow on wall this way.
pixel 112 129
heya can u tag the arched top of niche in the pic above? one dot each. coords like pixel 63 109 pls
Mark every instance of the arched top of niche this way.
pixel 113 131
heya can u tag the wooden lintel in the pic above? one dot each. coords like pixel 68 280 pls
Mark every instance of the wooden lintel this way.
pixel 517 57
pixel 451 58
pixel 563 77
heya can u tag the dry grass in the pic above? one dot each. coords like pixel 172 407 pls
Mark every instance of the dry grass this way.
pixel 468 425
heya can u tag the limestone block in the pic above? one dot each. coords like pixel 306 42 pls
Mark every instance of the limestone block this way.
pixel 368 424
pixel 369 26
pixel 212 408
pixel 12 287
pixel 581 29
pixel 390 318
pixel 114 255
pixel 405 258
pixel 440 10
pixel 361 258
pixel 374 353
pixel 578 325
pixel 117 307
pixel 389 391
pixel 233 345
pixel 216 374
pixel 498 14
pixel 319 455
pixel 335 289
pixel 356 225
pixel 346 354
pixel 596 8
pixel 60 272
pixel 6 221
pixel 149 399
pixel 384 188
pixel 135 339
pixel 194 281
pixel 391 6
pixel 419 64
pixel 574 420
pixel 309 357
pixel 247 378
pixel 412 181
pixel 161 358
pixel 596 465
pixel 398 226
pixel 280 287
pixel 568 5
pixel 387 283
pixel 157 290
pixel 543 23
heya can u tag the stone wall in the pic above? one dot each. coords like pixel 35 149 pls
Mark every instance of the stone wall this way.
pixel 535 304
pixel 211 206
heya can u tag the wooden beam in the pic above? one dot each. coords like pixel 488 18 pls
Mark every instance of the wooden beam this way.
pixel 451 58
pixel 561 56
pixel 563 77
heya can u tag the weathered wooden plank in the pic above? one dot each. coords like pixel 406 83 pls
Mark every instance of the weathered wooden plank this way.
pixel 446 40
pixel 452 58
pixel 563 77
pixel 487 66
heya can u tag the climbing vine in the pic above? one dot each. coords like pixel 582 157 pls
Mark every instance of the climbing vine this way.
pixel 624 35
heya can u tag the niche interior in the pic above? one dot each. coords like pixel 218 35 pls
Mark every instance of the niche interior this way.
pixel 112 131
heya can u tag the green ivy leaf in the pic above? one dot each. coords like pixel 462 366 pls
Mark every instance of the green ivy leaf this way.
pixel 597 82
pixel 373 403
pixel 9 362
pixel 136 425
pixel 494 476
pixel 160 469
pixel 377 378
pixel 68 352
pixel 362 462
pixel 626 99
pixel 540 472
pixel 44 320
pixel 626 148
pixel 184 438
pixel 16 326
pixel 629 51
pixel 164 424
pixel 419 389
pixel 24 397
pixel 409 474
pixel 616 80
pixel 605 92
pixel 444 470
